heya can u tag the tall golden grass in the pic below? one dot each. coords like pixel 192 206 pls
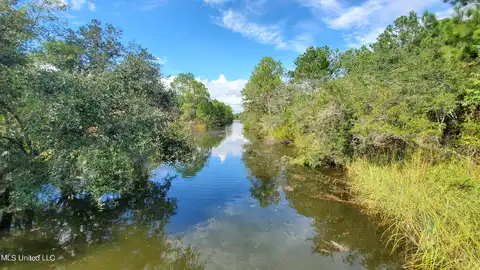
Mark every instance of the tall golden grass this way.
pixel 431 208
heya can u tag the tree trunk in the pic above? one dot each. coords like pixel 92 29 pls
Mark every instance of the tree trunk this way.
pixel 29 213
pixel 6 218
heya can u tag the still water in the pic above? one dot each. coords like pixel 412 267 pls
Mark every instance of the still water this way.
pixel 236 205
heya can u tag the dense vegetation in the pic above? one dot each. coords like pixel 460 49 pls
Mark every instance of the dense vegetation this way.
pixel 83 115
pixel 375 110
pixel 417 86
pixel 196 105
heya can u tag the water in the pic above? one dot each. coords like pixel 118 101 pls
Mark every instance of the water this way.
pixel 236 205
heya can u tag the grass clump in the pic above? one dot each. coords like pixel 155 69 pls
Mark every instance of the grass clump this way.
pixel 432 208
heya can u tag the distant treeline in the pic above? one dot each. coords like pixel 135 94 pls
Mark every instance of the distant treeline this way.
pixel 195 102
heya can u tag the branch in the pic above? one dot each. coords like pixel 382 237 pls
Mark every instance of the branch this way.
pixel 14 141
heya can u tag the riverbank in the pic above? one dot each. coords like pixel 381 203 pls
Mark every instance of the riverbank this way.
pixel 430 208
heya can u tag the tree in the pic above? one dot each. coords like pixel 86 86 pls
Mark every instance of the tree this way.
pixel 192 94
pixel 409 90
pixel 461 2
pixel 314 66
pixel 92 126
pixel 195 102
pixel 260 91
pixel 91 47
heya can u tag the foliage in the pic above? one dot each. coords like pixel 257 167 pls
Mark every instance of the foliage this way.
pixel 79 111
pixel 314 66
pixel 196 104
pixel 134 223
pixel 239 116
pixel 204 142
pixel 261 92
pixel 414 88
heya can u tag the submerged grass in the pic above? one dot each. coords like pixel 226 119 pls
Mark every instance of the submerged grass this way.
pixel 432 208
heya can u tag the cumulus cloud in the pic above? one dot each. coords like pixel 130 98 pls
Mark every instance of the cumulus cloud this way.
pixel 168 80
pixel 232 146
pixel 221 89
pixel 226 91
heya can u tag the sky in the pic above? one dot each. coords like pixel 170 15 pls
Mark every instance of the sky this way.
pixel 221 41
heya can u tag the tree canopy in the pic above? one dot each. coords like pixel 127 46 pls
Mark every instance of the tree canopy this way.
pixel 83 113
pixel 196 104
pixel 415 87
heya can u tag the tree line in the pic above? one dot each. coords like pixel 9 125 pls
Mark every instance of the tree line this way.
pixel 416 87
pixel 196 104
pixel 402 116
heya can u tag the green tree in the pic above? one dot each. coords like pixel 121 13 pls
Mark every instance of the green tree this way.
pixel 314 66
pixel 95 129
pixel 461 2
pixel 195 102
pixel 192 94
pixel 260 92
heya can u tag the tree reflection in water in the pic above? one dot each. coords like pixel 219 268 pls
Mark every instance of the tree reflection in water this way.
pixel 204 142
pixel 126 233
pixel 339 228
pixel 266 170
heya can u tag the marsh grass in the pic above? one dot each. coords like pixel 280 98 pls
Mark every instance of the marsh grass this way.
pixel 431 207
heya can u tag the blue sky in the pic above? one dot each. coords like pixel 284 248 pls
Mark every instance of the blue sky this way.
pixel 220 41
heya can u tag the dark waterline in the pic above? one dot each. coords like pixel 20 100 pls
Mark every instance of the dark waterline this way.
pixel 236 205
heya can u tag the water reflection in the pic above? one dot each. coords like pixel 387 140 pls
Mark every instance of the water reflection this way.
pixel 266 171
pixel 204 142
pixel 126 233
pixel 227 208
pixel 340 230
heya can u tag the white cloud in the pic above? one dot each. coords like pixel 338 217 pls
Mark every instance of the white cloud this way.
pixel 221 89
pixel 77 4
pixel 168 80
pixel 265 34
pixel 362 22
pixel 256 6
pixel 214 2
pixel 232 145
pixel 325 5
pixel 445 13
pixel 355 16
pixel 226 91
pixel 359 39
pixel 271 34
pixel 162 60
pixel 91 6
